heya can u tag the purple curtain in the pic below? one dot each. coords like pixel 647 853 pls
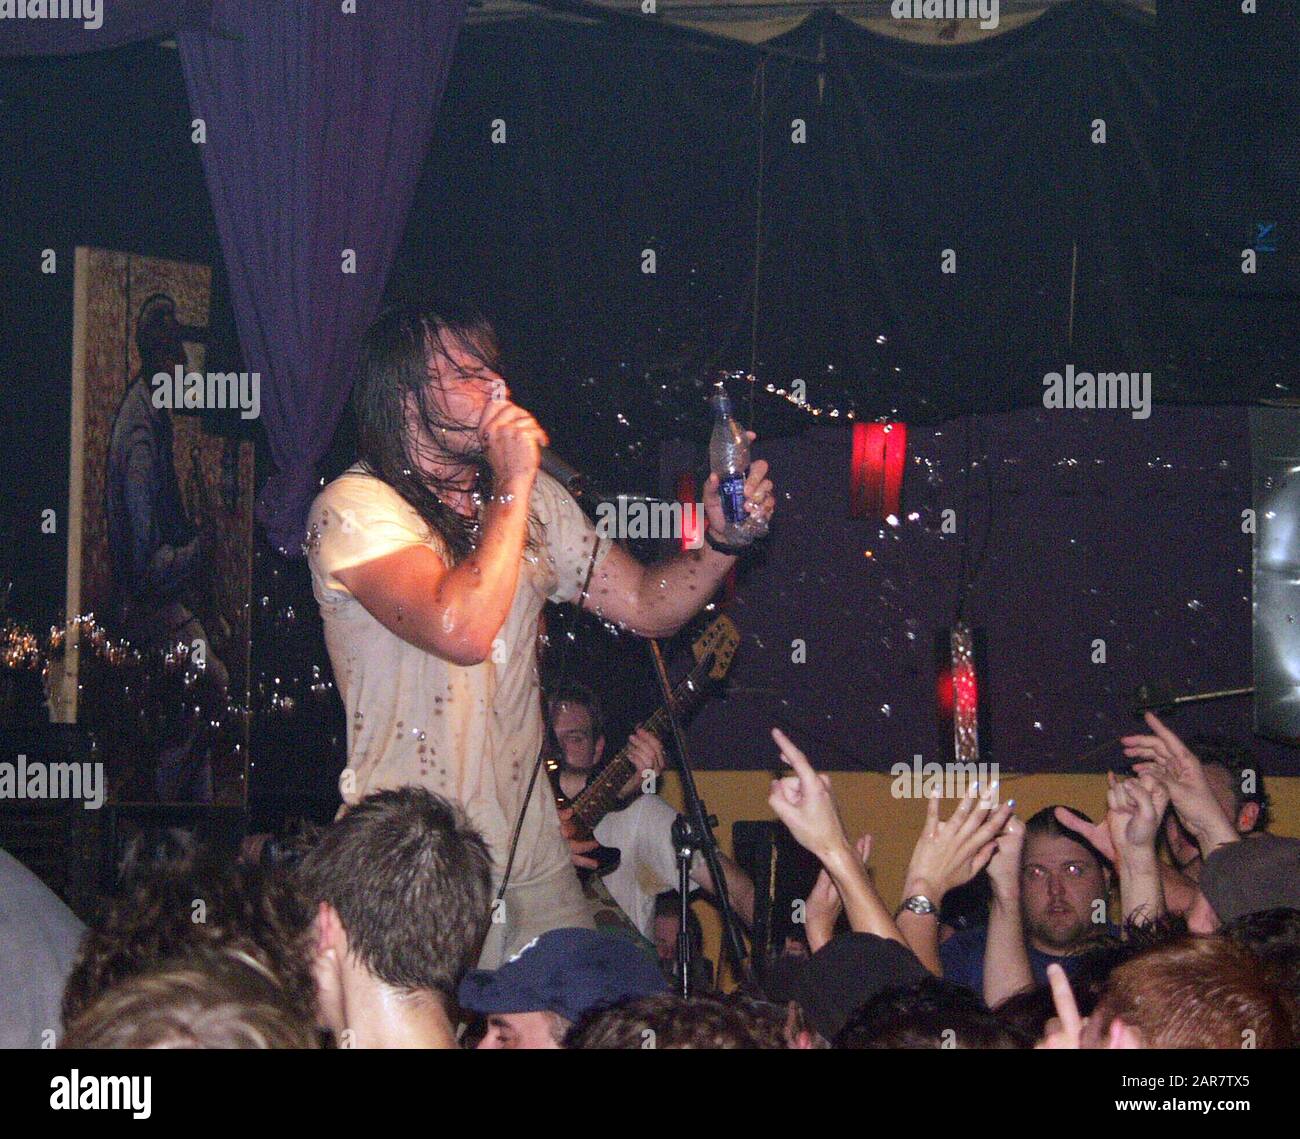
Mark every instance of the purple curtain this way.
pixel 317 123
pixel 317 127
pixel 93 25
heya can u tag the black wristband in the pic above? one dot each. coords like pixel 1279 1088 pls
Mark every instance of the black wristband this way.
pixel 722 547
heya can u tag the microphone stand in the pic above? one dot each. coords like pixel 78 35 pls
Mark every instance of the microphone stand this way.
pixel 697 833
pixel 695 830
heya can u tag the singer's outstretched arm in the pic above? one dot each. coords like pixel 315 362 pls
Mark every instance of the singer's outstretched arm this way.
pixel 657 600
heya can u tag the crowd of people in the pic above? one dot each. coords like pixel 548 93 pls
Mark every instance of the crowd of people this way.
pixel 1173 922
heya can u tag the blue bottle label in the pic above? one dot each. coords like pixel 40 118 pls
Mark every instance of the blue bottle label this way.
pixel 732 490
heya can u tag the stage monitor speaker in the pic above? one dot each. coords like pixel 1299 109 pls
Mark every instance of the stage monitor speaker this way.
pixel 1275 459
pixel 782 871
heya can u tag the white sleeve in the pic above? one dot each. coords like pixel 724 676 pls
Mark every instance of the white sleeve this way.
pixel 653 849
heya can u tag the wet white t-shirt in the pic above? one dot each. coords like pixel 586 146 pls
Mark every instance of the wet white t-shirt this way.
pixel 471 733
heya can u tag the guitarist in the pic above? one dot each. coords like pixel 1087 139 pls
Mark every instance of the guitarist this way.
pixel 431 560
pixel 642 829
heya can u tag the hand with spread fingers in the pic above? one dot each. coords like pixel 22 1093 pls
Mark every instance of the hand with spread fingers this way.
pixel 949 854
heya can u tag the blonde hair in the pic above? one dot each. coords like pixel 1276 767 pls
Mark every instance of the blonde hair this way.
pixel 222 999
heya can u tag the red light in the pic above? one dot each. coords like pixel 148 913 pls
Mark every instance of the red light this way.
pixel 876 469
pixel 692 534
pixel 965 689
pixel 944 692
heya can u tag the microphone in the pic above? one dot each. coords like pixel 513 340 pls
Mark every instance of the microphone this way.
pixel 567 476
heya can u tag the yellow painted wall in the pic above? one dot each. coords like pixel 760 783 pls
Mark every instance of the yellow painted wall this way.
pixel 866 806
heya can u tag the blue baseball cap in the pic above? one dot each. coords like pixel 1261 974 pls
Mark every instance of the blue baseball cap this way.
pixel 565 971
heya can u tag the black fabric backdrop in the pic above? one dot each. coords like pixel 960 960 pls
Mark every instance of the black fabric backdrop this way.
pixel 616 145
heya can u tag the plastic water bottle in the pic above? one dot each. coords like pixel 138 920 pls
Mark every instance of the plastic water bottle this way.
pixel 729 460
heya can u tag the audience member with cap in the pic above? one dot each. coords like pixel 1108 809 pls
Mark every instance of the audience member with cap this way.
pixel 1241 878
pixel 848 971
pixel 536 996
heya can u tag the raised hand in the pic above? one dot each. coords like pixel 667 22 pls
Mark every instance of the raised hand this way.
pixel 1136 809
pixel 1165 758
pixel 1096 833
pixel 1065 1030
pixel 803 801
pixel 1004 866
pixel 760 499
pixel 949 854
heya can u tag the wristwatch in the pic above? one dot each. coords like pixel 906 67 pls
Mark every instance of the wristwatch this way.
pixel 918 904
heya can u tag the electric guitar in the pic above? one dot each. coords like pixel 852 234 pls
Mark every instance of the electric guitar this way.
pixel 713 650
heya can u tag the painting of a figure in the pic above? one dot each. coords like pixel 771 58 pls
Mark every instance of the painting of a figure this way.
pixel 160 541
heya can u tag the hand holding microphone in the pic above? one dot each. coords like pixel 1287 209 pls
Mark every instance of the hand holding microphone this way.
pixel 512 440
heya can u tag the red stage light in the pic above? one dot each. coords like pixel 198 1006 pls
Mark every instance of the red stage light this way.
pixel 692 524
pixel 876 469
pixel 957 690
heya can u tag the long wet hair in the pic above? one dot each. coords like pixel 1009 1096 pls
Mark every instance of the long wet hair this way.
pixel 393 374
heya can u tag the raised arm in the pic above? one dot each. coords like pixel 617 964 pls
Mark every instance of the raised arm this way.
pixel 1136 807
pixel 1165 757
pixel 1006 959
pixel 1178 890
pixel 656 600
pixel 947 854
pixel 803 801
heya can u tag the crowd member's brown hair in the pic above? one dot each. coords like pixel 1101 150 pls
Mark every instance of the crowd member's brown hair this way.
pixel 1198 992
pixel 410 879
pixel 930 1013
pixel 211 999
pixel 192 903
pixel 1274 937
pixel 667 1020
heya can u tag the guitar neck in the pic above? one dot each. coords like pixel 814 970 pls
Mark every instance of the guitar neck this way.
pixel 602 794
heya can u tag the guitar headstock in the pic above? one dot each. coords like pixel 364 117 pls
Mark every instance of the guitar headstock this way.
pixel 721 640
